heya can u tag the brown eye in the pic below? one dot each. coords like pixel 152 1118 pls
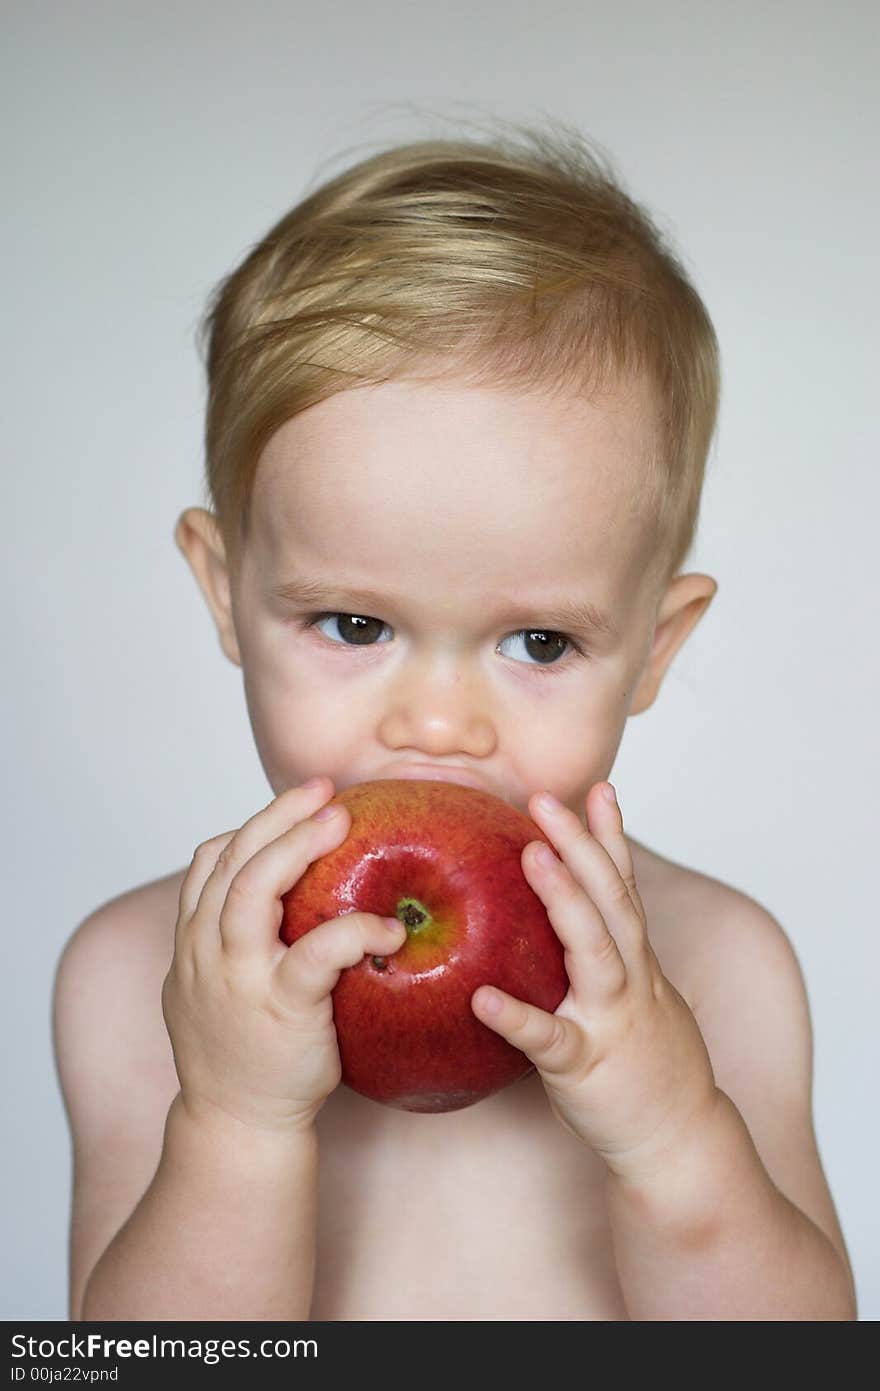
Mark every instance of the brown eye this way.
pixel 353 629
pixel 545 647
pixel 542 647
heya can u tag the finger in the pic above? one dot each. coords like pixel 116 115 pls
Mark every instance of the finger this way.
pixel 593 963
pixel 554 1044
pixel 203 861
pixel 591 865
pixel 287 809
pixel 252 912
pixel 311 967
pixel 605 820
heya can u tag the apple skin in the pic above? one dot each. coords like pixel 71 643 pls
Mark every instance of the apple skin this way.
pixel 406 1032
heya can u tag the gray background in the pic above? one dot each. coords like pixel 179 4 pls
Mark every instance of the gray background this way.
pixel 146 148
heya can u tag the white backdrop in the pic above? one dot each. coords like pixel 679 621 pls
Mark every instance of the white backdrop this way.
pixel 146 148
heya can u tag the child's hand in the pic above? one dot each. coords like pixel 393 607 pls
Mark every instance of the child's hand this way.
pixel 250 1019
pixel 623 1062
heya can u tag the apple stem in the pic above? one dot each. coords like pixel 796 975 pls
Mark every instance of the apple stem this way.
pixel 414 915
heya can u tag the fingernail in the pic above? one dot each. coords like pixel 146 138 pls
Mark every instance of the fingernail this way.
pixel 492 1002
pixel 393 924
pixel 544 855
pixel 314 782
pixel 609 794
pixel 326 813
pixel 547 802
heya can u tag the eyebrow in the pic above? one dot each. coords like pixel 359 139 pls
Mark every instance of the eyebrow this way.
pixel 576 615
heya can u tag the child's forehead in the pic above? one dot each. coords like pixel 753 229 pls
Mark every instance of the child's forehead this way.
pixel 479 450
pixel 437 487
pixel 404 402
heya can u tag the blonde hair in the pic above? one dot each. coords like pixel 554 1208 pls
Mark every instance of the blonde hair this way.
pixel 517 262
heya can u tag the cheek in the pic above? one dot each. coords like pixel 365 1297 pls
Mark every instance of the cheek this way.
pixel 576 746
pixel 301 727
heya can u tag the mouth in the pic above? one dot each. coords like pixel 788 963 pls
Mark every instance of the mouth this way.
pixel 438 774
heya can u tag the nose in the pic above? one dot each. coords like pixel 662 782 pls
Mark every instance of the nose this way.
pixel 437 708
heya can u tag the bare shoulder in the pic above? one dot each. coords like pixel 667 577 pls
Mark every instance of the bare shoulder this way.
pixel 144 910
pixel 108 983
pixel 114 1060
pixel 120 952
pixel 731 960
pixel 688 913
pixel 737 969
pixel 713 939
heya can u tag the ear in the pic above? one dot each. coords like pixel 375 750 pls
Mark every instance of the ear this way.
pixel 681 608
pixel 198 537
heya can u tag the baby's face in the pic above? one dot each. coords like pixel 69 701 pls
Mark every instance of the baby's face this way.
pixel 444 533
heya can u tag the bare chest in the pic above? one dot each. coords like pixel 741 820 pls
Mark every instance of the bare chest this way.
pixel 490 1213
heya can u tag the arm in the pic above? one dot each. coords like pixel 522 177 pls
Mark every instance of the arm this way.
pixel 226 1229
pixel 739 1224
pixel 171 1216
pixel 709 1236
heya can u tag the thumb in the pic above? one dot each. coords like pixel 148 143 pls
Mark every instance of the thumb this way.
pixel 310 968
pixel 553 1043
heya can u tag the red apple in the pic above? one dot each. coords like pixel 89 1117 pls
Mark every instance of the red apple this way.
pixel 445 860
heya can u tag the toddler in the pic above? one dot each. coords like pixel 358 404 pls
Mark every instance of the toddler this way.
pixel 460 403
